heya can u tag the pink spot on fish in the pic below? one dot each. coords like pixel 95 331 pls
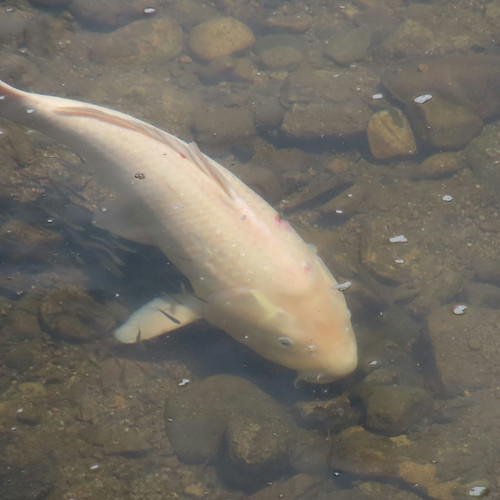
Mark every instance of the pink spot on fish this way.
pixel 280 221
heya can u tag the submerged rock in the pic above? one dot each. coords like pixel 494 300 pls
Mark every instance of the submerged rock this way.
pixel 465 346
pixel 230 414
pixel 157 40
pixel 395 409
pixel 71 314
pixel 439 165
pixel 447 96
pixel 220 37
pixel 390 135
pixel 327 103
pixel 110 13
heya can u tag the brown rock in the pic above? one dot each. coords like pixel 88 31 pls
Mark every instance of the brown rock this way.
pixel 447 125
pixel 390 135
pixel 394 409
pixel 439 165
pixel 220 37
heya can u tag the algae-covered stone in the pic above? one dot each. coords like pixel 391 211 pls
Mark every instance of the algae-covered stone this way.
pixel 220 37
pixel 390 135
pixel 395 409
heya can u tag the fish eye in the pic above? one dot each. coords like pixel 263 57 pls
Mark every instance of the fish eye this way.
pixel 285 341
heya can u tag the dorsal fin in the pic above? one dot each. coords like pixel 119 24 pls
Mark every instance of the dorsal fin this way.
pixel 191 150
pixel 204 163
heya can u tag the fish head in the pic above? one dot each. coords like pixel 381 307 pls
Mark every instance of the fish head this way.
pixel 308 332
pixel 315 337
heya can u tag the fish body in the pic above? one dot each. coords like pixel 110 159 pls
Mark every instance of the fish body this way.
pixel 252 274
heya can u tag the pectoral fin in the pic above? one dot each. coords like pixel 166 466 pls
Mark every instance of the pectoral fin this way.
pixel 161 315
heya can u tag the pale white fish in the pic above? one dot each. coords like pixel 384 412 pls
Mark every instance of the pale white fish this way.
pixel 252 275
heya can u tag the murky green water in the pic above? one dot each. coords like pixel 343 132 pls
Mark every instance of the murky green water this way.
pixel 373 128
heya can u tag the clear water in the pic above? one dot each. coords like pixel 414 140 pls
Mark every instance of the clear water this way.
pixel 194 414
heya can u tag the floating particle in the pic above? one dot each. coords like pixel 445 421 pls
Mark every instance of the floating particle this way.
pixel 459 309
pixel 423 98
pixel 401 238
pixel 342 287
pixel 183 382
pixel 447 197
pixel 478 491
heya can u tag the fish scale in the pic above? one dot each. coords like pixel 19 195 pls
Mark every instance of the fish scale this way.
pixel 252 274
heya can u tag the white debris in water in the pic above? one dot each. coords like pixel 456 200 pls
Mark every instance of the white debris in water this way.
pixel 447 197
pixel 338 211
pixel 401 238
pixel 373 363
pixel 399 261
pixel 183 382
pixel 377 96
pixel 477 491
pixel 423 98
pixel 342 287
pixel 94 467
pixel 459 309
pixel 149 11
pixel 30 111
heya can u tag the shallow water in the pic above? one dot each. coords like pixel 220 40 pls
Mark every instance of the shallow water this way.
pixel 415 229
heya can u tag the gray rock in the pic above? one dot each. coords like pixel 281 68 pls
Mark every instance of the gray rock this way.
pixel 327 104
pixel 349 46
pixel 71 314
pixel 222 126
pixel 281 57
pixel 110 13
pixel 482 155
pixel 256 431
pixel 151 41
pixel 465 347
pixel 446 125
